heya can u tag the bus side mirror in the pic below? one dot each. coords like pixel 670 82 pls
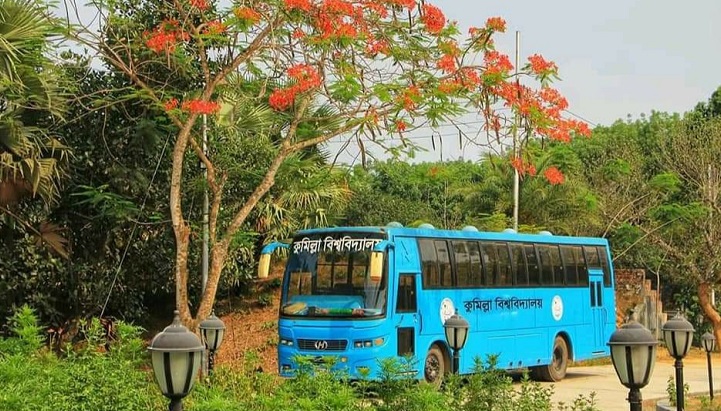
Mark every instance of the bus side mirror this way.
pixel 264 266
pixel 376 268
pixel 377 256
pixel 264 263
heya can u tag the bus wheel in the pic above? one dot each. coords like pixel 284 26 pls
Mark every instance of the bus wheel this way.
pixel 556 370
pixel 435 366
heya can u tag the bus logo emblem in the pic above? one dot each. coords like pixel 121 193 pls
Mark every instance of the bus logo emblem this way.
pixel 321 345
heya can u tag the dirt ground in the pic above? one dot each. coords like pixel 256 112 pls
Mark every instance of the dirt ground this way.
pixel 251 335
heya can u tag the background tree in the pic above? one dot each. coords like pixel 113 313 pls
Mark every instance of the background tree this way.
pixel 331 68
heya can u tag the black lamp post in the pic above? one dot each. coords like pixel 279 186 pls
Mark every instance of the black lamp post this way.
pixel 176 354
pixel 678 336
pixel 633 352
pixel 212 329
pixel 456 335
pixel 709 343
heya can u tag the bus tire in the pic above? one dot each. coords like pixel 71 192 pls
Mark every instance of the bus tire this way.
pixel 556 370
pixel 435 365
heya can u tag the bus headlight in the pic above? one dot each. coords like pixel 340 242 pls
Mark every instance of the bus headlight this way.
pixel 285 341
pixel 369 343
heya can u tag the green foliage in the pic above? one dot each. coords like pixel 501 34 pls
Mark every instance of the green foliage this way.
pixel 98 374
pixel 102 373
pixel 26 331
pixel 671 390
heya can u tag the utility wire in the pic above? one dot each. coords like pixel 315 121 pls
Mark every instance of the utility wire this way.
pixel 135 226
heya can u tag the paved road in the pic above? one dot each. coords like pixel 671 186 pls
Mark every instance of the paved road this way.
pixel 611 395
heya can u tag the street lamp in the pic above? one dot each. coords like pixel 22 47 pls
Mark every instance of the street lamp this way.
pixel 175 354
pixel 212 329
pixel 678 336
pixel 709 343
pixel 633 352
pixel 456 335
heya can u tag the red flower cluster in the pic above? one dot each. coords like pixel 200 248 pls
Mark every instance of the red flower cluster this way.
pixel 496 24
pixel 401 125
pixel 433 18
pixel 200 4
pixel 464 79
pixel 171 104
pixel 447 63
pixel 214 27
pixel 247 15
pixel 306 78
pixel 377 46
pixel 303 5
pixel 201 107
pixel 410 97
pixel 540 66
pixel 165 37
pixel 554 176
pixel 523 167
pixel 497 63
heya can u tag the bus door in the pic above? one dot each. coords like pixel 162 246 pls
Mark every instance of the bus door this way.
pixel 598 312
pixel 407 319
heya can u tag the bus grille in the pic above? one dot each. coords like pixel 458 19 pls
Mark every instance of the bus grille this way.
pixel 322 345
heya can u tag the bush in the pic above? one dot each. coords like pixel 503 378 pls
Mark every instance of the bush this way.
pixel 111 373
pixel 96 375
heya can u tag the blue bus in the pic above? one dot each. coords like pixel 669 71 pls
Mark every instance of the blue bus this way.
pixel 361 294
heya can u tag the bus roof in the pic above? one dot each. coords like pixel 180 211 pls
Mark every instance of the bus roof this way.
pixel 470 234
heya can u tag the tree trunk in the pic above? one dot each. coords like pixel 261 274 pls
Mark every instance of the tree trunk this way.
pixel 704 299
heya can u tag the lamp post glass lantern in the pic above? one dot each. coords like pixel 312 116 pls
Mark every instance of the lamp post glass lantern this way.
pixel 175 355
pixel 709 343
pixel 678 336
pixel 456 328
pixel 212 329
pixel 633 353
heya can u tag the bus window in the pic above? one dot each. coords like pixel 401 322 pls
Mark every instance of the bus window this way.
pixel 299 283
pixel 604 265
pixel 544 251
pixel 520 274
pixel 557 264
pixel 429 263
pixel 444 264
pixel 592 257
pixel 462 263
pixel 504 275
pixel 532 264
pixel 490 262
pixel 474 253
pixel 581 266
pixel 406 294
pixel 569 265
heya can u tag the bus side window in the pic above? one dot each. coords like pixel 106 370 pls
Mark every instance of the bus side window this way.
pixel 569 265
pixel 591 257
pixel 462 263
pixel 444 263
pixel 490 263
pixel 534 269
pixel 429 263
pixel 544 252
pixel 604 265
pixel 520 274
pixel 504 275
pixel 474 252
pixel 581 266
pixel 557 264
pixel 406 294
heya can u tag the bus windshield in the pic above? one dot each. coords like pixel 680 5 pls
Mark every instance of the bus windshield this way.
pixel 328 276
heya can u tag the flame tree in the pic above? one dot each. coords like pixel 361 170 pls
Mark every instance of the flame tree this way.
pixel 368 70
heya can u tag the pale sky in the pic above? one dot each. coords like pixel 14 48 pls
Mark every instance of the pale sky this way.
pixel 616 57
